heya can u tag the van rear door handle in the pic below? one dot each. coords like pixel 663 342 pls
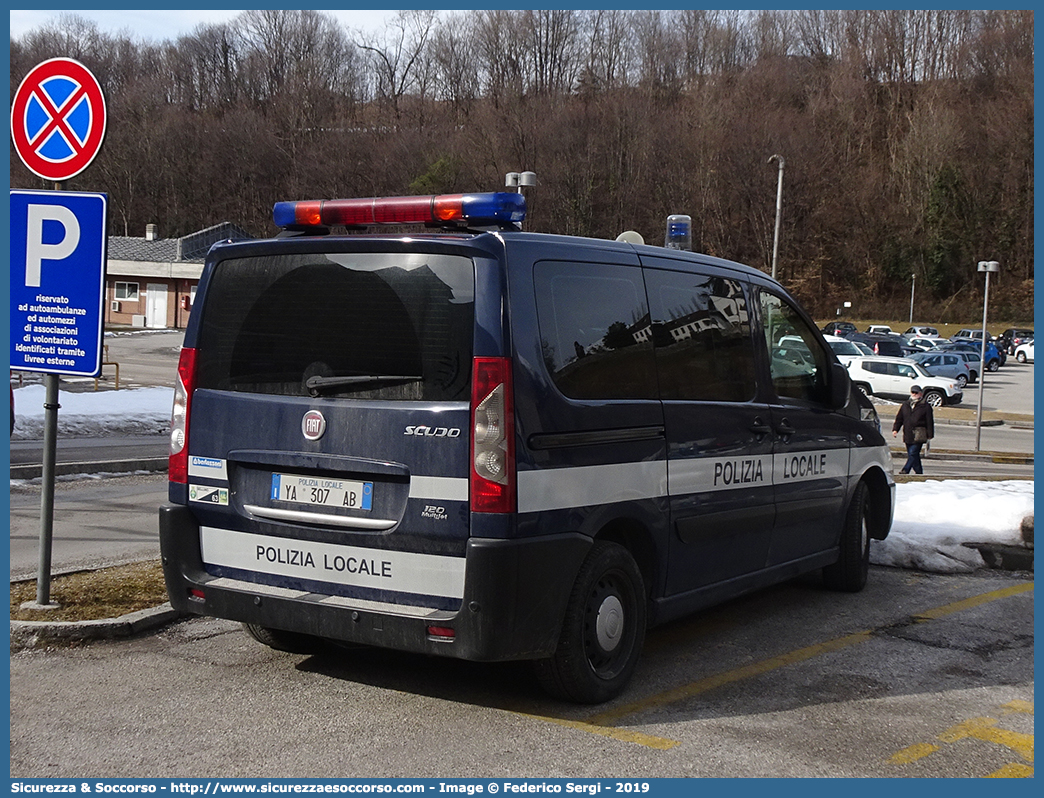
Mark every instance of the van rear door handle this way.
pixel 785 429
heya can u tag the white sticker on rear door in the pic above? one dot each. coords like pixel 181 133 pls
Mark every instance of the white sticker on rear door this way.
pixel 401 571
pixel 208 494
pixel 207 467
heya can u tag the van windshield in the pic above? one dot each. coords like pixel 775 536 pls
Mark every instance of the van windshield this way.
pixel 365 325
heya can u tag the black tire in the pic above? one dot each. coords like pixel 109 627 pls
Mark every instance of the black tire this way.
pixel 864 389
pixel 933 398
pixel 293 642
pixel 1021 357
pixel 603 631
pixel 993 365
pixel 962 381
pixel 848 574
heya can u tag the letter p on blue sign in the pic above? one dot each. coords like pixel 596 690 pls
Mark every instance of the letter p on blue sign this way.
pixel 58 258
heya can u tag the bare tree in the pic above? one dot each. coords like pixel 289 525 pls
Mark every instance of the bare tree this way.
pixel 395 59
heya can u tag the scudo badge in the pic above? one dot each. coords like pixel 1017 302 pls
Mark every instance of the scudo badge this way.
pixel 313 425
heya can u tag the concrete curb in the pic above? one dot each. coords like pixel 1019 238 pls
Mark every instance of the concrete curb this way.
pixel 1003 458
pixel 33 634
pixel 35 470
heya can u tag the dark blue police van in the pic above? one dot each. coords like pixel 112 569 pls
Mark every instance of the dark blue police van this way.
pixel 491 444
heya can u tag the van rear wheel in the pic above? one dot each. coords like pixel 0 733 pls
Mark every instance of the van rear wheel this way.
pixel 293 642
pixel 849 573
pixel 603 631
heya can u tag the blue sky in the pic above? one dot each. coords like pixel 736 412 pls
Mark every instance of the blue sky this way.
pixel 169 24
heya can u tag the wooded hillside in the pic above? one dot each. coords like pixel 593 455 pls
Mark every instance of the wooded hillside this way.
pixel 907 135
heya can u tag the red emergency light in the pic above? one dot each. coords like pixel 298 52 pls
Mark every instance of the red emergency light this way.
pixel 494 208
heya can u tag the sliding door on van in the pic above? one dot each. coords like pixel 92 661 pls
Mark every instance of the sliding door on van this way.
pixel 719 441
pixel 810 438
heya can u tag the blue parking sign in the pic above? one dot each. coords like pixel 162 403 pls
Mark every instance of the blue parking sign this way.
pixel 58 256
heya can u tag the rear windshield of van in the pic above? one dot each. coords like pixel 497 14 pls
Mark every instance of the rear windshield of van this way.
pixel 367 325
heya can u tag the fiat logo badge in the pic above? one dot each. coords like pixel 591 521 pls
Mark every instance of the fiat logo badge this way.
pixel 313 425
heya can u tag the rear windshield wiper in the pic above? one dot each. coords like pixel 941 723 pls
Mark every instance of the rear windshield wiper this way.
pixel 316 384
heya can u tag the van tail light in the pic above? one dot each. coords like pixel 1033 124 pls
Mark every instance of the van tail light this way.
pixel 492 437
pixel 177 470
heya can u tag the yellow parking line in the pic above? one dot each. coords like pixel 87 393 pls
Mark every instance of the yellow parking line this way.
pixel 1013 771
pixel 986 729
pixel 602 723
pixel 728 677
pixel 686 691
pixel 912 753
pixel 1018 705
pixel 974 601
pixel 624 735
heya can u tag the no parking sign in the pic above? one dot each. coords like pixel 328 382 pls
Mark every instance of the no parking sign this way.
pixel 58 119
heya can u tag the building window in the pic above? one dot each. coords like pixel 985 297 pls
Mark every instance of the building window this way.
pixel 127 291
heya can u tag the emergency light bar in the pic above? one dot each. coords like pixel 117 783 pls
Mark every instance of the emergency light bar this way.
pixel 494 208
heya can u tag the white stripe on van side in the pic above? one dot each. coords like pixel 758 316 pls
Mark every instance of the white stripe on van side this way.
pixel 698 474
pixel 863 457
pixel 563 488
pixel 450 489
pixel 559 488
pixel 805 466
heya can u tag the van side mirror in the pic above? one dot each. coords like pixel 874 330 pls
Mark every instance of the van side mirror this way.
pixel 840 386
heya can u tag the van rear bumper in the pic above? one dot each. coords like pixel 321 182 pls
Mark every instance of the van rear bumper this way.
pixel 515 594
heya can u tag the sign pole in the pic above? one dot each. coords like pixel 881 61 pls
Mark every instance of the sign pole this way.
pixel 47 477
pixel 50 449
pixel 58 120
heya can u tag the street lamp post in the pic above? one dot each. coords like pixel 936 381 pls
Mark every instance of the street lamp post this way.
pixel 986 266
pixel 779 210
pixel 913 282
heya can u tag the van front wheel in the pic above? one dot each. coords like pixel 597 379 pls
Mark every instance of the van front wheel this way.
pixel 850 571
pixel 603 631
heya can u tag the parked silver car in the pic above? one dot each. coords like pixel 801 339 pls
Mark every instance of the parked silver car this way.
pixel 945 364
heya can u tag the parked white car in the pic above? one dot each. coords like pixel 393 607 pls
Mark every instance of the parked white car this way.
pixel 923 342
pixel 1024 352
pixel 844 349
pixel 892 378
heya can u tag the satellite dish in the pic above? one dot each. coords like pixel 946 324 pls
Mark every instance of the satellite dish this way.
pixel 630 237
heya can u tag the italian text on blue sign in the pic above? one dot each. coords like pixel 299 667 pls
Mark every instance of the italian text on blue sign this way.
pixel 58 253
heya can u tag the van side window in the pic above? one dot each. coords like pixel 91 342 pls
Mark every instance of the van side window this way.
pixel 797 363
pixel 595 334
pixel 701 329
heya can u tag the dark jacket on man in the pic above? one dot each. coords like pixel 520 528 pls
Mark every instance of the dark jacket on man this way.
pixel 912 415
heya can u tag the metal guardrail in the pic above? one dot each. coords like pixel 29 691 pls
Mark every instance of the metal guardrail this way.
pixel 106 362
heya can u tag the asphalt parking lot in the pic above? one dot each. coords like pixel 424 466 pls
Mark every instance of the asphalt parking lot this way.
pixel 918 676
